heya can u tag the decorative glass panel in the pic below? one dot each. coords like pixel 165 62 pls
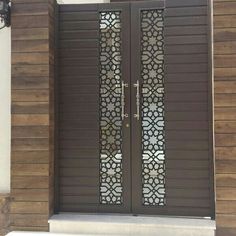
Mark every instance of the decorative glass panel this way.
pixel 153 135
pixel 110 109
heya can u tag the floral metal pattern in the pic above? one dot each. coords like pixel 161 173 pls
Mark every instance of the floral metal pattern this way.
pixel 153 135
pixel 110 109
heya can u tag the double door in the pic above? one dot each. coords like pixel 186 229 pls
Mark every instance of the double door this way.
pixel 121 114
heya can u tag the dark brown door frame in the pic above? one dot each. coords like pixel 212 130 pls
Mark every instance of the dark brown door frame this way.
pixel 132 186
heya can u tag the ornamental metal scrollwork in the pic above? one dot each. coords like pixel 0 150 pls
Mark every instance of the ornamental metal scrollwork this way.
pixel 153 133
pixel 110 109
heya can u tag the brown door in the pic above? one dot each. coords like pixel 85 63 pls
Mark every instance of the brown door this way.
pixel 134 117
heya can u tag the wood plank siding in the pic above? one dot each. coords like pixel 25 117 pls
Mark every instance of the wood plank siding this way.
pixel 225 115
pixel 32 114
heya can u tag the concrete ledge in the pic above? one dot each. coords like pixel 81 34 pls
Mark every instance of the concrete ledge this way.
pixel 107 224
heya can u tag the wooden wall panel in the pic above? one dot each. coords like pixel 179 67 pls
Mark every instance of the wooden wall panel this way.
pixel 225 115
pixel 32 114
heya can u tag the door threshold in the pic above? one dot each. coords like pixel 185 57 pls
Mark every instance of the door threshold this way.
pixel 120 224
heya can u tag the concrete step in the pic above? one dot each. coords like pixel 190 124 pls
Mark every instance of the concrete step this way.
pixel 27 233
pixel 124 225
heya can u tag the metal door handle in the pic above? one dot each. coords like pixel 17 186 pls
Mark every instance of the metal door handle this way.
pixel 137 115
pixel 123 114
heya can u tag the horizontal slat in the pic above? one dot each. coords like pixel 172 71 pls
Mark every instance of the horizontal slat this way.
pixel 224 8
pixel 30 58
pixel 197 202
pixel 22 95
pixel 187 3
pixel 68 98
pixel 92 61
pixel 94 208
pixel 225 114
pixel 185 30
pixel 187 68
pixel 78 25
pixel 184 106
pixel 188 116
pixel 179 193
pixel 80 163
pixel 79 43
pixel 30 108
pixel 187 125
pixel 224 34
pixel 78 190
pixel 73 70
pixel 227 21
pixel 186 87
pixel 226 180
pixel 186 164
pixel 184 21
pixel 30 157
pixel 186 77
pixel 225 153
pixel 30 46
pixel 25 22
pixel 190 97
pixel 187 145
pixel 78 199
pixel 30 132
pixel 81 89
pixel 224 87
pixel 80 124
pixel 81 181
pixel 225 140
pixel 78 53
pixel 78 80
pixel 188 174
pixel 78 16
pixel 225 100
pixel 187 155
pixel 226 166
pixel 30 182
pixel 86 143
pixel 30 33
pixel 227 47
pixel 224 193
pixel 29 82
pixel 186 49
pixel 179 59
pixel 30 9
pixel 77 7
pixel 78 34
pixel 78 172
pixel 186 11
pixel 30 144
pixel 186 135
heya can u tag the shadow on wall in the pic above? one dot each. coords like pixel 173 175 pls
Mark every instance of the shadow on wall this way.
pixel 5 117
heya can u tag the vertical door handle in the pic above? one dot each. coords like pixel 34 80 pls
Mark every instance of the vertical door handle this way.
pixel 123 114
pixel 137 115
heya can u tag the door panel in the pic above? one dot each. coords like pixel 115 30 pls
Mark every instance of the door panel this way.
pixel 170 140
pixel 94 138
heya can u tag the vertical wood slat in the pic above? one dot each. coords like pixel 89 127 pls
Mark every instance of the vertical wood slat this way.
pixel 225 119
pixel 32 114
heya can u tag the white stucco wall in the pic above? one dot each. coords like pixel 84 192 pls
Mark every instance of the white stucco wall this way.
pixel 5 116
